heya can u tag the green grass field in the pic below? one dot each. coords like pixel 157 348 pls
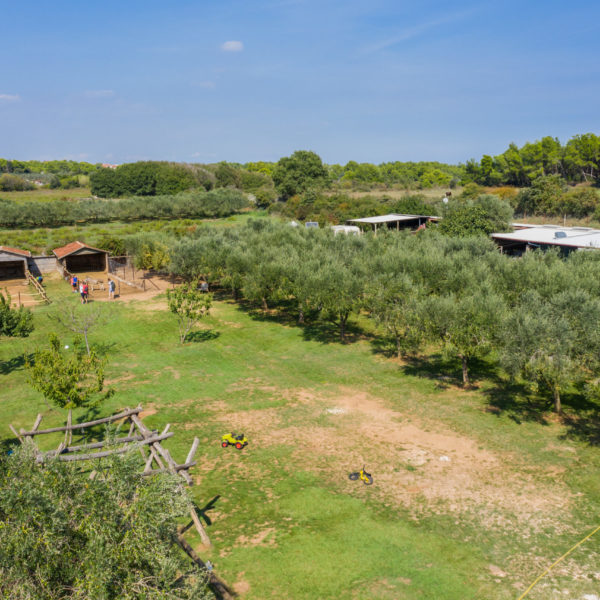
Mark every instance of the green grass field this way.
pixel 518 489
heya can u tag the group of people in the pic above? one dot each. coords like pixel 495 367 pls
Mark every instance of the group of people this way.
pixel 83 289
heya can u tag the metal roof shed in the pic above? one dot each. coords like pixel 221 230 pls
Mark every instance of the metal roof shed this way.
pixel 546 236
pixel 394 221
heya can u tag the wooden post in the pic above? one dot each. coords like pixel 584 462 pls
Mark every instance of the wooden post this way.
pixel 69 431
pixel 19 294
pixel 144 284
pixel 15 433
pixel 218 587
pixel 119 289
pixel 37 422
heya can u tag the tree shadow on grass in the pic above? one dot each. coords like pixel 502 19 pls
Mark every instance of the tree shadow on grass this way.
pixel 203 335
pixel 327 332
pixel 514 399
pixel 8 446
pixel 103 349
pixel 313 328
pixel 202 513
pixel 584 427
pixel 15 363
pixel 444 373
pixel 581 416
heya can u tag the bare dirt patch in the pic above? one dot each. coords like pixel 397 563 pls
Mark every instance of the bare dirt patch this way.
pixel 148 411
pixel 176 374
pixel 258 538
pixel 120 379
pixel 241 586
pixel 258 425
pixel 420 467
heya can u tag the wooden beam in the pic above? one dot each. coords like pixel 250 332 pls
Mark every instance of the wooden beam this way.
pixel 74 457
pixel 126 413
pixel 16 434
pixel 219 588
pixel 37 422
pixel 185 466
pixel 192 451
pixel 94 445
pixel 68 432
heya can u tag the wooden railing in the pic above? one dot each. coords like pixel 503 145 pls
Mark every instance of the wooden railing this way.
pixel 37 285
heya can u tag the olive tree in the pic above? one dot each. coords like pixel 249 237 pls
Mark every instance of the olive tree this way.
pixel 467 325
pixel 553 342
pixel 64 536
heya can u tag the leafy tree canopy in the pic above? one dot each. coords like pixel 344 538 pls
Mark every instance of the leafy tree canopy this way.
pixel 64 536
pixel 299 172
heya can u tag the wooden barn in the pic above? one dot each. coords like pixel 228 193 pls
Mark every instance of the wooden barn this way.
pixel 13 262
pixel 78 257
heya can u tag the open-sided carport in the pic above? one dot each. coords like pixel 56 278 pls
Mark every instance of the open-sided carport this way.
pixel 13 263
pixel 78 257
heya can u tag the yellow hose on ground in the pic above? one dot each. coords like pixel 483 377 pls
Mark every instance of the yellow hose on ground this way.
pixel 587 537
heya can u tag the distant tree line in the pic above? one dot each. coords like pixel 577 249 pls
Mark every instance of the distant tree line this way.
pixel 152 178
pixel 56 167
pixel 197 204
pixel 538 317
pixel 577 161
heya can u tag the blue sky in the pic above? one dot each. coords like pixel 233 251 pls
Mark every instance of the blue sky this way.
pixel 245 80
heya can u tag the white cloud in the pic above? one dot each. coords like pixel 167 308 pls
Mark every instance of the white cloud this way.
pixel 99 94
pixel 232 46
pixel 207 85
pixel 10 97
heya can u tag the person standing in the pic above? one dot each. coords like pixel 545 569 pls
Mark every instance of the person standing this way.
pixel 74 283
pixel 85 292
pixel 111 289
pixel 81 293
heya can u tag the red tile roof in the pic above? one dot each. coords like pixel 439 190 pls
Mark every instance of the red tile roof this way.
pixel 74 247
pixel 15 251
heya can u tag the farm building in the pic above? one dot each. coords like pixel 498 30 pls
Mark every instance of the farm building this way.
pixel 78 257
pixel 13 262
pixel 547 236
pixel 393 221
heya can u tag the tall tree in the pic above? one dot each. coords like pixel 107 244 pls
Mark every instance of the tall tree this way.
pixel 299 172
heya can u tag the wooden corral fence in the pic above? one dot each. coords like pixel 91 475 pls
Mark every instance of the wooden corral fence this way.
pixel 157 459
pixel 37 286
